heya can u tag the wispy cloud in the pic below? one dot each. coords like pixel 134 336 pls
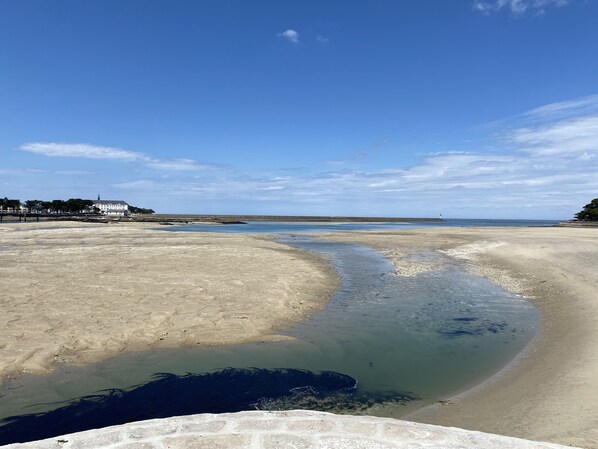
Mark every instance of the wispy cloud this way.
pixel 291 35
pixel 88 151
pixel 74 172
pixel 517 7
pixel 176 165
pixel 570 136
pixel 53 149
pixel 140 184
pixel 578 106
pixel 361 154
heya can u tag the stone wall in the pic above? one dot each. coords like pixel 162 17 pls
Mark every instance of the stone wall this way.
pixel 280 430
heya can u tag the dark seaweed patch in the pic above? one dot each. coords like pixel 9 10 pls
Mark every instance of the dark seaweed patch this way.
pixel 338 403
pixel 456 333
pixel 470 327
pixel 228 390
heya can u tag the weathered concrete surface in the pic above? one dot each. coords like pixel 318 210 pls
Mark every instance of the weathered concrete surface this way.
pixel 281 430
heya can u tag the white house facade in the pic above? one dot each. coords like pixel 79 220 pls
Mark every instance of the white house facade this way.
pixel 112 207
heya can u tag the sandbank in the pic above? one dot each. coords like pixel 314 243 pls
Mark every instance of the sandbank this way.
pixel 550 393
pixel 75 293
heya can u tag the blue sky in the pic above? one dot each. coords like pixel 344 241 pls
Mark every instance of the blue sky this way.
pixel 485 108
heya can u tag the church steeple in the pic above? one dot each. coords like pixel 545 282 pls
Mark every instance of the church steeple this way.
pixel 98 197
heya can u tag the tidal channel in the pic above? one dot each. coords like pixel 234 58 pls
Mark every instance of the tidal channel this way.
pixel 387 345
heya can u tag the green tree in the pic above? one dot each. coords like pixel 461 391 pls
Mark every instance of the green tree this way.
pixel 140 210
pixel 77 205
pixel 33 205
pixel 589 211
pixel 57 206
pixel 13 205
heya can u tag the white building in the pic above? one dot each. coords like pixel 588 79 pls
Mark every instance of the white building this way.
pixel 112 207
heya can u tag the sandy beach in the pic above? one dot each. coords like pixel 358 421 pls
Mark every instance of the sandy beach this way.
pixel 74 294
pixel 551 392
pixel 84 293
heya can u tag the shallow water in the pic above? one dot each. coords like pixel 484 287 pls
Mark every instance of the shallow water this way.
pixel 425 337
pixel 278 227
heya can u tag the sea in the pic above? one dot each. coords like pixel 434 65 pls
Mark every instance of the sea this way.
pixel 278 227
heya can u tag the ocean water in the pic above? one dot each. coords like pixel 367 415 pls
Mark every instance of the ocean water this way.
pixel 391 345
pixel 275 227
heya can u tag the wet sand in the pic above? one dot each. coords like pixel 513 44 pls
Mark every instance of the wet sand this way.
pixel 550 393
pixel 76 293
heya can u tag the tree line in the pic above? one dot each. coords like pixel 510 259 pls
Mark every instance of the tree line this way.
pixel 140 210
pixel 70 206
pixel 589 211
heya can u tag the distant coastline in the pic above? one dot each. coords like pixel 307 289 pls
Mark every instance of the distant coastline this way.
pixel 206 218
pixel 181 218
pixel 578 224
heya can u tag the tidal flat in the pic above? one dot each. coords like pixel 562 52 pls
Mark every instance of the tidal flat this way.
pixel 86 294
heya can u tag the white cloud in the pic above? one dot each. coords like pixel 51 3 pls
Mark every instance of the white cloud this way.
pixel 176 165
pixel 81 150
pixel 584 105
pixel 74 172
pixel 88 151
pixel 586 156
pixel 517 7
pixel 322 39
pixel 455 184
pixel 40 171
pixel 576 135
pixel 291 35
pixel 272 188
pixel 141 184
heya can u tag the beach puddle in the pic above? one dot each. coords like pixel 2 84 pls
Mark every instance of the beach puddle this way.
pixel 389 344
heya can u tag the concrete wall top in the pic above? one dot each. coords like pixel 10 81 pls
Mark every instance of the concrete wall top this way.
pixel 280 430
